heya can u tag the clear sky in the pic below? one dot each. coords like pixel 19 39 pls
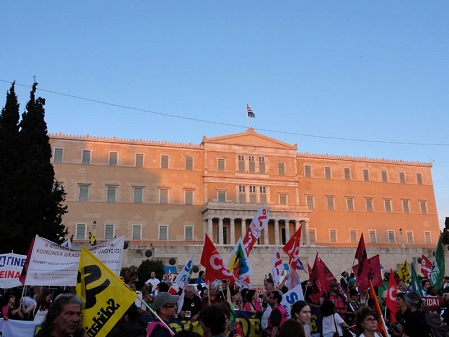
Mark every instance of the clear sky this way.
pixel 358 78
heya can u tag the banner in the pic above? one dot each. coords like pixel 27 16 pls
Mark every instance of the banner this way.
pixel 53 265
pixel 213 262
pixel 404 271
pixel 238 262
pixel 391 297
pixel 16 328
pixel 183 278
pixel 438 268
pixel 260 220
pixel 426 267
pixel 415 282
pixel 11 266
pixel 291 248
pixel 277 267
pixel 371 272
pixel 106 298
pixel 291 297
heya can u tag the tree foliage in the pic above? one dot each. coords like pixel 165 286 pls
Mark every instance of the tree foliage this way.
pixel 147 266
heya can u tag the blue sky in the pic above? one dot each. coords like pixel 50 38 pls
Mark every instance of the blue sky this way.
pixel 313 72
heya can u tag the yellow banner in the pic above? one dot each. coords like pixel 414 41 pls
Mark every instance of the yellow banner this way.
pixel 106 298
pixel 404 271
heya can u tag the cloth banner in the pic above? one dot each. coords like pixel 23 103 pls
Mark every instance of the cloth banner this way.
pixel 238 263
pixel 404 271
pixel 16 328
pixel 426 266
pixel 214 264
pixel 11 266
pixel 291 248
pixel 291 297
pixel 53 265
pixel 277 267
pixel 391 297
pixel 259 222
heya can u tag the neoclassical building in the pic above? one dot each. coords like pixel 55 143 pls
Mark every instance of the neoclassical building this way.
pixel 169 194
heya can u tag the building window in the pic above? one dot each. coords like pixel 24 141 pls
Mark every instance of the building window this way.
pixel 58 155
pixel 188 233
pixel 263 194
pixel 423 206
pixel 80 231
pixel 365 175
pixel 309 202
pixel 252 164
pixel 405 206
pixel 164 162
pixel 138 195
pixel 419 178
pixel 252 194
pixel 139 160
pixel 427 238
pixel 333 235
pixel 83 193
pixel 281 169
pixel 109 232
pixel 189 163
pixel 327 172
pixel 307 171
pixel 163 196
pixel 353 235
pixel 402 177
pixel 241 163
pixel 137 232
pixel 350 203
pixel 283 199
pixel 86 157
pixel 262 165
pixel 312 234
pixel 387 203
pixel 221 164
pixel 113 158
pixel 372 236
pixel 384 176
pixel 409 235
pixel 111 194
pixel 391 237
pixel 163 232
pixel 347 173
pixel 221 195
pixel 188 197
pixel 330 203
pixel 369 204
pixel 242 194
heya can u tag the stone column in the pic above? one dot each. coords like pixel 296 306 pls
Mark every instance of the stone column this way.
pixel 243 222
pixel 306 229
pixel 276 232
pixel 210 230
pixel 220 231
pixel 266 239
pixel 287 230
pixel 232 231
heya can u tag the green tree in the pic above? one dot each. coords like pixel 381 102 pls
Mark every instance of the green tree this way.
pixel 147 266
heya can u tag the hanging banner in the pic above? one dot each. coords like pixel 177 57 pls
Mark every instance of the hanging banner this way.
pixel 10 268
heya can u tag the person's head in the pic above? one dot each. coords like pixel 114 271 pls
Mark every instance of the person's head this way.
pixel 139 284
pixel 432 291
pixel 400 300
pixel 345 274
pixel 413 301
pixel 353 294
pixel 212 320
pixel 268 284
pixel 334 287
pixel 301 312
pixel 44 299
pixel 425 284
pixel 327 308
pixel 213 291
pixel 190 291
pixel 132 285
pixel 163 287
pixel 131 314
pixel 204 292
pixel 367 319
pixel 201 274
pixel 251 295
pixel 275 298
pixel 153 275
pixel 64 315
pixel 446 297
pixel 243 293
pixel 292 328
pixel 165 305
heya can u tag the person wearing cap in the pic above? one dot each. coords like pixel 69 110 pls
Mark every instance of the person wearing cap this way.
pixel 334 295
pixel 166 306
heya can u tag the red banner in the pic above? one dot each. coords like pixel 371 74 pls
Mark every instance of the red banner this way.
pixel 212 261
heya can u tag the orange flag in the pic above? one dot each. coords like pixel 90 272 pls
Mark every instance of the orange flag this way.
pixel 381 327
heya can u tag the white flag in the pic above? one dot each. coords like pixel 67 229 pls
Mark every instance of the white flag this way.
pixel 277 267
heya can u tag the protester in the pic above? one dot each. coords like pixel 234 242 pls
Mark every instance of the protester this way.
pixel 292 328
pixel 335 296
pixel 192 304
pixel 153 280
pixel 140 302
pixel 166 306
pixel 425 284
pixel 213 321
pixel 212 298
pixel 269 288
pixel 344 281
pixel 252 303
pixel 201 277
pixel 332 321
pixel 444 309
pixel 232 328
pixel 43 304
pixel 367 322
pixel 277 316
pixel 9 308
pixel 300 312
pixel 128 325
pixel 415 325
pixel 28 305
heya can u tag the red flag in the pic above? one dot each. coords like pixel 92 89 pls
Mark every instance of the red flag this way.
pixel 362 257
pixel 391 297
pixel 426 267
pixel 212 261
pixel 309 269
pixel 291 248
pixel 381 327
pixel 371 272
pixel 259 222
pixel 23 275
pixel 320 284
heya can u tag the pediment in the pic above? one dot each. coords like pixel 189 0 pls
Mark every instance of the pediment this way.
pixel 249 138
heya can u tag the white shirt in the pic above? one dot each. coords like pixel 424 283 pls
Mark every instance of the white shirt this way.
pixel 139 302
pixel 40 315
pixel 329 325
pixel 265 315
pixel 154 282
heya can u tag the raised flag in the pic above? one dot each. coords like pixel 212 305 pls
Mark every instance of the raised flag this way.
pixel 426 266
pixel 371 272
pixel 309 269
pixel 381 327
pixel 238 262
pixel 213 262
pixel 404 271
pixel 67 243
pixel 106 298
pixel 300 266
pixel 391 297
pixel 92 239
pixel 291 248
pixel 277 267
pixel 182 281
pixel 292 279
pixel 318 280
pixel 250 112
pixel 415 283
pixel 24 272
pixel 438 268
pixel 259 222
pixel 361 257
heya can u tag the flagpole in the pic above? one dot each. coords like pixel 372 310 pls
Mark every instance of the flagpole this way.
pixel 247 115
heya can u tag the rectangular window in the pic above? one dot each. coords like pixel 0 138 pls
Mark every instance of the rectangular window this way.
pixel 139 160
pixel 221 164
pixel 188 197
pixel 365 175
pixel 333 235
pixel 252 164
pixel 347 173
pixel 262 165
pixel 330 203
pixel 350 204
pixel 113 158
pixel 163 232
pixel 387 203
pixel 391 237
pixel 309 201
pixel 111 194
pixel 312 234
pixel 423 206
pixel 327 172
pixel 83 193
pixel 137 232
pixel 86 157
pixel 384 176
pixel 402 177
pixel 419 178
pixel 369 204
pixel 405 206
pixel 353 235
pixel 189 163
pixel 80 231
pixel 252 194
pixel 221 195
pixel 138 195
pixel 188 233
pixel 263 194
pixel 283 199
pixel 307 171
pixel 164 162
pixel 241 163
pixel 427 238
pixel 372 236
pixel 163 196
pixel 242 194
pixel 281 169
pixel 109 232
pixel 58 155
pixel 409 235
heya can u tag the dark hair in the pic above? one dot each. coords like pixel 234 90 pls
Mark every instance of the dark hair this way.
pixel 250 294
pixel 132 312
pixel 56 308
pixel 297 307
pixel 243 293
pixel 225 308
pixel 413 299
pixel 362 313
pixel 327 308
pixel 270 281
pixel 401 296
pixel 42 303
pixel 277 295
pixel 292 328
pixel 201 273
pixel 139 284
pixel 163 287
pixel 214 319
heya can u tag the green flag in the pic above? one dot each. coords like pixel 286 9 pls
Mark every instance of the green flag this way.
pixel 438 269
pixel 415 284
